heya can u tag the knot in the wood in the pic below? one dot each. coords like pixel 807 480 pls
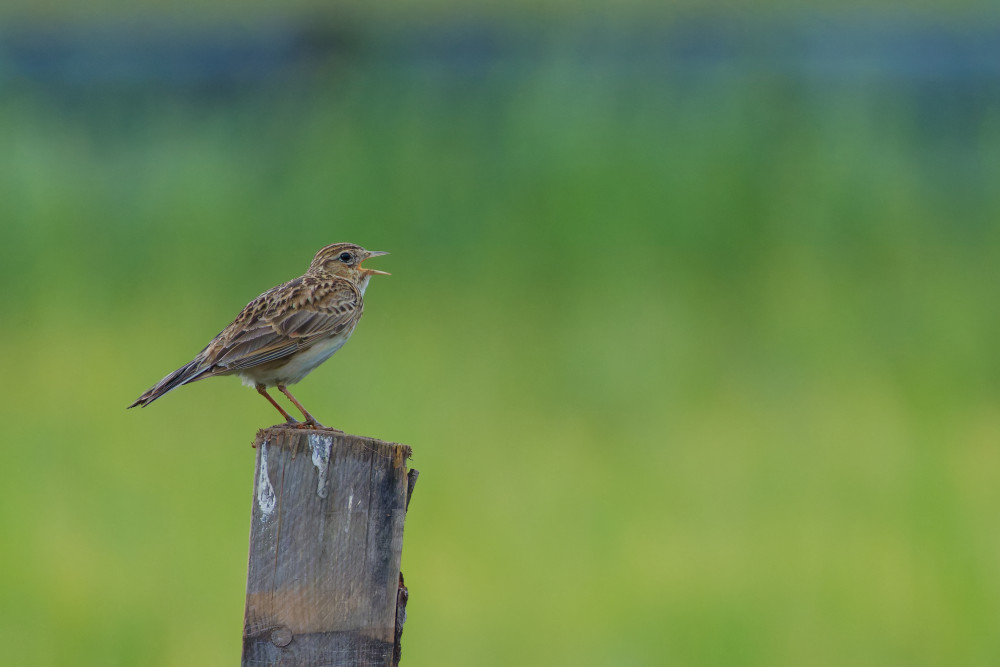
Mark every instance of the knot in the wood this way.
pixel 281 637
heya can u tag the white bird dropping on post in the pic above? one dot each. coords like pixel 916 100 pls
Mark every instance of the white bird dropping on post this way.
pixel 265 492
pixel 320 446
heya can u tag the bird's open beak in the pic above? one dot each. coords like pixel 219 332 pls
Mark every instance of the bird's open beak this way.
pixel 375 253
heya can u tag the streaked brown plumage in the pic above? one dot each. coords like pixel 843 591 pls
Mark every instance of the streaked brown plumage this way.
pixel 287 331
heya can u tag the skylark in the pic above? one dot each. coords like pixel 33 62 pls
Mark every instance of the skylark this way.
pixel 287 331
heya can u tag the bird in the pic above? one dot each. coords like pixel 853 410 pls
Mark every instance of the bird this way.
pixel 287 331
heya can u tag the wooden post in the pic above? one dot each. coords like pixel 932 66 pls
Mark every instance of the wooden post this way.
pixel 326 537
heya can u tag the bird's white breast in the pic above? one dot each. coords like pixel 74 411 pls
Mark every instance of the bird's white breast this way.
pixel 296 366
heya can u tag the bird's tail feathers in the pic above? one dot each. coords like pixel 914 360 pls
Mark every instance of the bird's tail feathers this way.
pixel 188 373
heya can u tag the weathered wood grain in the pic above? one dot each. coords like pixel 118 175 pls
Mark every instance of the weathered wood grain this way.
pixel 326 537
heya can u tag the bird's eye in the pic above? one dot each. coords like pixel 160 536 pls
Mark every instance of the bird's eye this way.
pixel 345 257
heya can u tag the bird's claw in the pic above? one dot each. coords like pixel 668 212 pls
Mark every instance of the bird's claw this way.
pixel 294 423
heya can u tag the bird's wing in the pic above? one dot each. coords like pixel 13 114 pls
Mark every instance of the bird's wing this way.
pixel 284 320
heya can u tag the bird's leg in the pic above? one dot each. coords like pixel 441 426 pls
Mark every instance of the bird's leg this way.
pixel 305 413
pixel 262 390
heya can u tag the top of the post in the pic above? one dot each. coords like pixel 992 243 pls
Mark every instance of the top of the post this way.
pixel 296 439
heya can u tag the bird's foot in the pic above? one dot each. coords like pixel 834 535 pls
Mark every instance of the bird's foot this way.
pixel 294 423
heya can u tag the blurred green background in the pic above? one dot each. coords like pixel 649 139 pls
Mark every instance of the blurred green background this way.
pixel 692 323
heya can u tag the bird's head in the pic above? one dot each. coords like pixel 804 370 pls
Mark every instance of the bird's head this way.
pixel 344 260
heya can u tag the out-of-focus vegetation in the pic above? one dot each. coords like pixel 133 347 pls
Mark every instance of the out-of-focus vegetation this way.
pixel 698 370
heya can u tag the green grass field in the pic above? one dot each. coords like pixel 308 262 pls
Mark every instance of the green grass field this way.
pixel 696 375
